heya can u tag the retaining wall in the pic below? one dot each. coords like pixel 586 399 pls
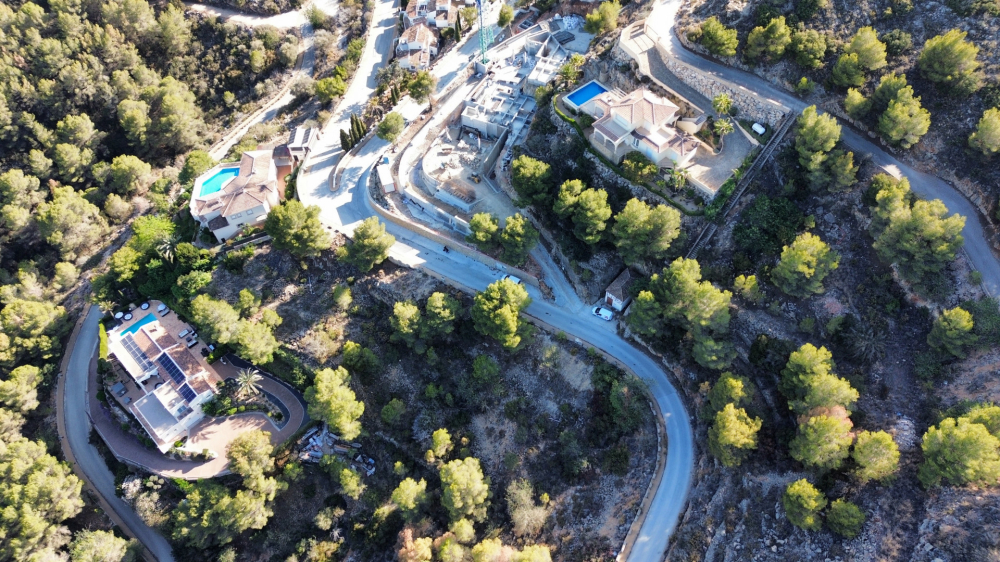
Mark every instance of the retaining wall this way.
pixel 452 244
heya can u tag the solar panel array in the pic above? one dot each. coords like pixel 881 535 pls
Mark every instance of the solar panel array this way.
pixel 563 37
pixel 171 368
pixel 187 393
pixel 138 355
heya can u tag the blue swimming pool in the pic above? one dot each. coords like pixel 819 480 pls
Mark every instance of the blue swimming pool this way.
pixel 588 92
pixel 142 322
pixel 218 180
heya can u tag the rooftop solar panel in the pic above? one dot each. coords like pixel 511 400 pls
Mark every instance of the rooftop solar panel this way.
pixel 138 355
pixel 171 368
pixel 187 393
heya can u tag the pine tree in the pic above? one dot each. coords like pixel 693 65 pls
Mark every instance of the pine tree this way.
pixel 803 266
pixel 803 503
pixel 346 142
pixel 987 136
pixel 905 120
pixel 952 332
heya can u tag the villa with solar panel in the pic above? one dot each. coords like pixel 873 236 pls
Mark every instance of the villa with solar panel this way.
pixel 168 382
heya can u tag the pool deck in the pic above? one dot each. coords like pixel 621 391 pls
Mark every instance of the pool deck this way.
pixel 205 187
pixel 591 89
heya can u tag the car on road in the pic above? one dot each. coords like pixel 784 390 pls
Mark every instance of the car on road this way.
pixel 602 313
pixel 516 280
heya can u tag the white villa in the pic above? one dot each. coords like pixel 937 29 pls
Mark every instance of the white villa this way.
pixel 232 195
pixel 171 382
pixel 416 47
pixel 435 13
pixel 639 121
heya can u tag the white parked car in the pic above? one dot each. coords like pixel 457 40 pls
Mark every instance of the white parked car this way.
pixel 602 313
pixel 516 280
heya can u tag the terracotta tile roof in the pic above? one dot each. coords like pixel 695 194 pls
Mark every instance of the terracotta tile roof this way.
pixel 199 385
pixel 619 287
pixel 218 222
pixel 147 345
pixel 248 198
pixel 281 151
pixel 418 59
pixel 418 33
pixel 642 105
pixel 185 361
pixel 160 335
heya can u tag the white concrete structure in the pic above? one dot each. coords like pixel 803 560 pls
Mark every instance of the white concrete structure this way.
pixel 416 47
pixel 616 295
pixel 435 13
pixel 174 383
pixel 225 204
pixel 385 178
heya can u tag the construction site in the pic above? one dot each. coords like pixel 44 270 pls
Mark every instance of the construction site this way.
pixel 456 167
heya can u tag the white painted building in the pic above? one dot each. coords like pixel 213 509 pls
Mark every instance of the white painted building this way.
pixel 639 121
pixel 416 47
pixel 173 382
pixel 229 196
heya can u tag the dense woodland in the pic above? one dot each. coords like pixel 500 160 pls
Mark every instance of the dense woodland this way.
pixel 97 99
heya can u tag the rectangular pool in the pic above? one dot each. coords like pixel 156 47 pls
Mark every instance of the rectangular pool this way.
pixel 218 180
pixel 586 93
pixel 142 322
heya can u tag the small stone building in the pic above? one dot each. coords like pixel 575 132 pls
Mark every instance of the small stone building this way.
pixel 616 295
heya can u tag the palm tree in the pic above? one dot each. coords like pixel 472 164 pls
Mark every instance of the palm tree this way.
pixel 247 382
pixel 166 249
pixel 678 177
pixel 722 128
pixel 722 104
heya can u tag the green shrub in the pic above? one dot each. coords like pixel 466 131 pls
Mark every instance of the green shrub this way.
pixel 102 338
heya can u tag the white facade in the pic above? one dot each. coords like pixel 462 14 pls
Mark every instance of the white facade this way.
pixel 245 199
pixel 640 121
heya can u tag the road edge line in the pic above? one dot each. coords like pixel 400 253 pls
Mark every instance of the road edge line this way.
pixel 64 442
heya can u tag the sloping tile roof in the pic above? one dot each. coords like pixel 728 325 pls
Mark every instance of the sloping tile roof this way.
pixel 281 151
pixel 642 105
pixel 607 126
pixel 182 356
pixel 418 33
pixel 251 188
pixel 418 59
pixel 619 287
pixel 159 335
pixel 218 222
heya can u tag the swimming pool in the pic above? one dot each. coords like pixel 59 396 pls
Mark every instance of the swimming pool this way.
pixel 218 180
pixel 142 322
pixel 586 93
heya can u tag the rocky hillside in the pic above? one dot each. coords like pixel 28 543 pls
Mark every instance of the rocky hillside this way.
pixel 944 150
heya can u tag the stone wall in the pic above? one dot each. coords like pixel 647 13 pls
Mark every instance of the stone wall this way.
pixel 749 105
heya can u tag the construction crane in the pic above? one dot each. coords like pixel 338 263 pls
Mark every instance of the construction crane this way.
pixel 485 34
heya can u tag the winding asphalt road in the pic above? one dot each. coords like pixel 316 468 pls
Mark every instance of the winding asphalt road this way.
pixel 928 186
pixel 350 205
pixel 346 206
pixel 85 455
